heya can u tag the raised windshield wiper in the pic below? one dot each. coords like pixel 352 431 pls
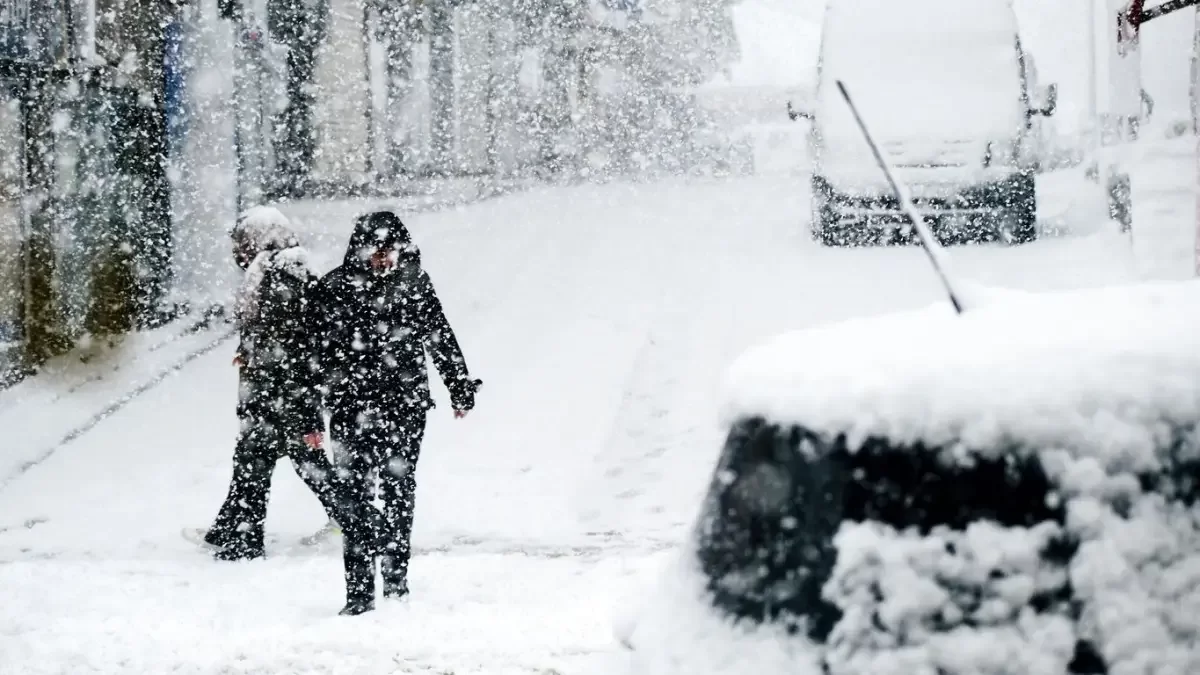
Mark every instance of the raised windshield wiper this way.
pixel 937 255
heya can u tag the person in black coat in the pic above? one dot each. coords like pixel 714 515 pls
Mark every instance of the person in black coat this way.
pixel 279 406
pixel 379 317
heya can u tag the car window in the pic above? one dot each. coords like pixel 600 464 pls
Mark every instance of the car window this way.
pixel 780 494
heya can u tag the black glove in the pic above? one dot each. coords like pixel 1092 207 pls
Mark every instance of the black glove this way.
pixel 462 394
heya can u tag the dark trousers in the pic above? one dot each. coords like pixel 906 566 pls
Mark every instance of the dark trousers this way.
pixel 388 444
pixel 239 524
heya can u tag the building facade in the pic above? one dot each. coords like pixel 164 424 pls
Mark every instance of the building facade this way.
pixel 342 116
pixel 36 47
pixel 85 242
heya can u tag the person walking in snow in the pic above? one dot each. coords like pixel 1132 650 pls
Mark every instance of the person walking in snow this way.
pixel 379 316
pixel 278 399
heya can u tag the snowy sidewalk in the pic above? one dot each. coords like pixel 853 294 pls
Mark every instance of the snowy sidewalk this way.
pixel 73 393
pixel 600 319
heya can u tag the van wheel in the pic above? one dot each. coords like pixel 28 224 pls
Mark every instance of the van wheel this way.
pixel 824 225
pixel 1025 229
pixel 1020 223
pixel 827 233
pixel 825 228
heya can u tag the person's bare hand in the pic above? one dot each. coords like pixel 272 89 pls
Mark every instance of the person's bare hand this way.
pixel 314 440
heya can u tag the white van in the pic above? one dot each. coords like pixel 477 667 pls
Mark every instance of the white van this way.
pixel 952 97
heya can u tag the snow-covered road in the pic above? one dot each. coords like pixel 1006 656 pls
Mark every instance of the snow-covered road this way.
pixel 600 319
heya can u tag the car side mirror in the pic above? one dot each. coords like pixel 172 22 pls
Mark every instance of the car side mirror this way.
pixel 794 114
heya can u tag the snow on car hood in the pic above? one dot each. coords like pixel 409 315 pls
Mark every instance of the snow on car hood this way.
pixel 1112 370
pixel 932 168
pixel 911 153
pixel 1103 386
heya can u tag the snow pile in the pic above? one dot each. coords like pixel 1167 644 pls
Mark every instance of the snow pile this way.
pixel 1115 371
pixel 1137 579
pixel 1117 584
pixel 678 633
pixel 953 602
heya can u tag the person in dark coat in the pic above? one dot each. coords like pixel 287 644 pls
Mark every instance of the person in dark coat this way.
pixel 380 315
pixel 279 404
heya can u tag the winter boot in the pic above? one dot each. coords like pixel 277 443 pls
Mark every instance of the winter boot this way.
pixel 360 587
pixel 395 589
pixel 216 538
pixel 395 577
pixel 247 545
pixel 357 606
pixel 205 538
pixel 235 552
pixel 360 581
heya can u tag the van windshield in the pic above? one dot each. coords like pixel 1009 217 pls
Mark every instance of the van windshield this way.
pixel 928 69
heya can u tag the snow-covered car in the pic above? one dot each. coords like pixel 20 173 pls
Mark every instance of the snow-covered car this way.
pixel 1010 491
pixel 952 98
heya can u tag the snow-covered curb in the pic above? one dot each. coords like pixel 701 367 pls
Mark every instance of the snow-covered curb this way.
pixel 49 410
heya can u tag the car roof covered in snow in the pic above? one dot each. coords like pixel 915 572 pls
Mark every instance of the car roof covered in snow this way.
pixel 1115 370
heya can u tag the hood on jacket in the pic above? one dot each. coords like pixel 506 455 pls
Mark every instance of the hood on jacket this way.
pixel 261 229
pixel 263 240
pixel 376 232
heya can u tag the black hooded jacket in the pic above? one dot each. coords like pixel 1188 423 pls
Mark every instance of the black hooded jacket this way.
pixel 279 380
pixel 376 327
